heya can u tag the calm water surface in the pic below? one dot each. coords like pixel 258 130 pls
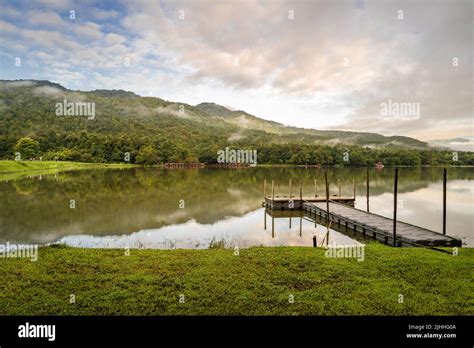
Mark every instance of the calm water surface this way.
pixel 196 208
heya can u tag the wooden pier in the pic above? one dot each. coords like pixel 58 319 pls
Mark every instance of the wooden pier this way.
pixel 380 227
pixel 285 203
pixel 343 213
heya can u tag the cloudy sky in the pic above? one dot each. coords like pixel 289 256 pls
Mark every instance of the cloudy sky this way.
pixel 314 64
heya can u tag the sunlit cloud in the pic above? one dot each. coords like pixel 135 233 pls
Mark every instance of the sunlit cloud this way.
pixel 319 64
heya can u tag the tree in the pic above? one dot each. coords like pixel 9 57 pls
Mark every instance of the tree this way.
pixel 166 151
pixel 147 155
pixel 27 147
pixel 64 155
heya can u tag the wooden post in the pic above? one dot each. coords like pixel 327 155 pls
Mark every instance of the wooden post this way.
pixel 327 195
pixel 445 176
pixel 264 190
pixel 315 188
pixel 395 191
pixel 273 192
pixel 301 225
pixel 315 243
pixel 265 219
pixel 273 227
pixel 368 190
pixel 289 187
pixel 339 186
pixel 301 194
pixel 354 184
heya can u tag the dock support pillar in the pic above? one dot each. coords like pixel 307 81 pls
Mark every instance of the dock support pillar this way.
pixel 339 186
pixel 273 227
pixel 327 195
pixel 445 176
pixel 395 201
pixel 301 225
pixel 315 188
pixel 315 243
pixel 265 219
pixel 354 184
pixel 273 192
pixel 368 190
pixel 264 190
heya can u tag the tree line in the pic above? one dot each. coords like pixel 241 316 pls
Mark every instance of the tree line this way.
pixel 86 147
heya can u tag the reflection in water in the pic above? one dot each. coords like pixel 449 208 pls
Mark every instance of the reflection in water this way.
pixel 141 207
pixel 424 207
pixel 245 231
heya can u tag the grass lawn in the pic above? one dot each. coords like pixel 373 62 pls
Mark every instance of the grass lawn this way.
pixel 13 169
pixel 260 281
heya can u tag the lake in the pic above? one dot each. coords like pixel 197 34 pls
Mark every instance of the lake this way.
pixel 201 208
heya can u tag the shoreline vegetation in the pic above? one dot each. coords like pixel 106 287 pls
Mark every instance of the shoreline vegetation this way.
pixel 10 170
pixel 259 281
pixel 27 166
pixel 15 169
pixel 21 166
pixel 364 166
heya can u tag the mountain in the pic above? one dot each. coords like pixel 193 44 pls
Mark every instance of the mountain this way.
pixel 241 119
pixel 288 134
pixel 124 122
pixel 238 125
pixel 114 93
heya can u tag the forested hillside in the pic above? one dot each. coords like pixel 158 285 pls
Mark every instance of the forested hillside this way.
pixel 152 130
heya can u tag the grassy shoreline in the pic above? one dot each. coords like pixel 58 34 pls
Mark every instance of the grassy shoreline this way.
pixel 15 169
pixel 8 166
pixel 257 282
pixel 22 166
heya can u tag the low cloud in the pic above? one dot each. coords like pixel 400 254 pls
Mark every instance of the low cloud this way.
pixel 322 64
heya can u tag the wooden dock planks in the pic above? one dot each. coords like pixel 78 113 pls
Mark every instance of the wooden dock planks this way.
pixel 283 202
pixel 380 227
pixel 310 198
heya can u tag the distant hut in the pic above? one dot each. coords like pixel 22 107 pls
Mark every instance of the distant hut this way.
pixel 379 165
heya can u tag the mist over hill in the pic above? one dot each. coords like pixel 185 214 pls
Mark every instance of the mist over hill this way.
pixel 322 137
pixel 172 131
pixel 457 144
